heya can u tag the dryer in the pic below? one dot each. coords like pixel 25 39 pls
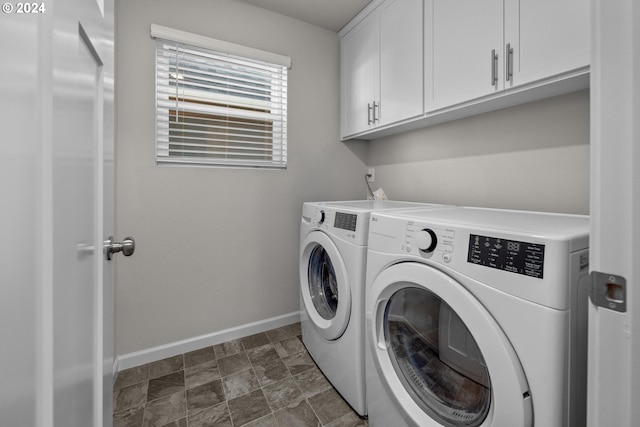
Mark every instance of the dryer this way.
pixel 333 252
pixel 476 317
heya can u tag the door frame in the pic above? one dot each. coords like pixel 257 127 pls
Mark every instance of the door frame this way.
pixel 614 337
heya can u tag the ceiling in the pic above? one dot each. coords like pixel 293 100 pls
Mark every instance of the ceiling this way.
pixel 329 14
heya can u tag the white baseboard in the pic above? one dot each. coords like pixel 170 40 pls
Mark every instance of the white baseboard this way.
pixel 116 368
pixel 153 354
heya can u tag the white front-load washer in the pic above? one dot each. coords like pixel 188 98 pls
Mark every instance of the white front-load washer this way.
pixel 476 317
pixel 333 252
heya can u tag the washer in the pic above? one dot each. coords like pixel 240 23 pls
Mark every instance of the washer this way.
pixel 333 252
pixel 476 317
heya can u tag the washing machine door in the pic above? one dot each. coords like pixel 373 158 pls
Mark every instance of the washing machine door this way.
pixel 324 285
pixel 444 359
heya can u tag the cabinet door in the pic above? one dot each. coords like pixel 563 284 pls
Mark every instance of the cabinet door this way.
pixel 549 37
pixel 464 33
pixel 358 57
pixel 401 53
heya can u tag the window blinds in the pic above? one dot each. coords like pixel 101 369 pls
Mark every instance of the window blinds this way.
pixel 218 108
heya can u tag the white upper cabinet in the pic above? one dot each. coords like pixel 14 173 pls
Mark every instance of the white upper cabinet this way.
pixel 381 67
pixel 480 47
pixel 407 64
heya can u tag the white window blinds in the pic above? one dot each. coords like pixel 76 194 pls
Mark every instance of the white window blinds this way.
pixel 216 107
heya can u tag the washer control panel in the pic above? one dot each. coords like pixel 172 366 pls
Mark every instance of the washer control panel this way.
pixel 525 254
pixel 345 221
pixel 429 242
pixel 349 226
pixel 509 255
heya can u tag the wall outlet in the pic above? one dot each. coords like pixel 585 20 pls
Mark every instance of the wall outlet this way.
pixel 371 172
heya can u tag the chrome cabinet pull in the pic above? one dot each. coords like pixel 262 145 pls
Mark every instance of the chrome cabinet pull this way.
pixel 375 107
pixel 494 67
pixel 509 61
pixel 369 121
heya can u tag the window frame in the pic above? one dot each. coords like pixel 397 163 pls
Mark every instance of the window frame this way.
pixel 248 90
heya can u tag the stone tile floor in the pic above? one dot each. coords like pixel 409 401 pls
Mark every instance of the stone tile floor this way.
pixel 263 380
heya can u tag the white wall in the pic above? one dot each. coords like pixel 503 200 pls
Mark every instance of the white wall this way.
pixel 218 248
pixel 534 156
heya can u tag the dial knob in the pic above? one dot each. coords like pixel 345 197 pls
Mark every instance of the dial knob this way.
pixel 426 240
pixel 319 217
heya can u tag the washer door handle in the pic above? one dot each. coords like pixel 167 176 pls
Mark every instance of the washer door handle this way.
pixel 378 319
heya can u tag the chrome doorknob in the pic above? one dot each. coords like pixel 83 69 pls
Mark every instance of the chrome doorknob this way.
pixel 127 247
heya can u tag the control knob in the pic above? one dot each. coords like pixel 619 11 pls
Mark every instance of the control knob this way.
pixel 426 240
pixel 319 217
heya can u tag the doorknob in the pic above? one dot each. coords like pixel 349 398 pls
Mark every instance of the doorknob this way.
pixel 127 247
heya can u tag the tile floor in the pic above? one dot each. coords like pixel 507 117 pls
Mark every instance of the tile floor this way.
pixel 263 380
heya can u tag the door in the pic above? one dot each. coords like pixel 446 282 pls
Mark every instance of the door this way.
pixel 77 184
pixel 548 38
pixel 440 354
pixel 57 109
pixel 401 51
pixel 358 74
pixel 325 289
pixel 614 336
pixel 463 38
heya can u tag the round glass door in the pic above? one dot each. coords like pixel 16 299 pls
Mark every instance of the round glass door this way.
pixel 436 357
pixel 323 285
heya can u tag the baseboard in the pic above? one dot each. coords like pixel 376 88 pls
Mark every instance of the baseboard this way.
pixel 153 354
pixel 116 368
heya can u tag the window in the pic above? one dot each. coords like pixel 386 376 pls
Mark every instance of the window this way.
pixel 219 104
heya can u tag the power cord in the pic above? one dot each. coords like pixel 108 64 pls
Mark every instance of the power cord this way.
pixel 366 180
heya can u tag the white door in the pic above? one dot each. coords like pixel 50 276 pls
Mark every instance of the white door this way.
pixel 548 37
pixel 56 173
pixel 463 37
pixel 401 52
pixel 614 336
pixel 358 73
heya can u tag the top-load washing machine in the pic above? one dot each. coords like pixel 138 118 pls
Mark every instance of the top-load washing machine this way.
pixel 333 252
pixel 476 317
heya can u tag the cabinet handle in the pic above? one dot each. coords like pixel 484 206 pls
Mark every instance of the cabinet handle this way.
pixel 509 61
pixel 369 121
pixel 494 67
pixel 375 106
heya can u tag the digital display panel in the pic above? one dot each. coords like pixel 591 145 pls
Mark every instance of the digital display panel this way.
pixel 508 255
pixel 345 221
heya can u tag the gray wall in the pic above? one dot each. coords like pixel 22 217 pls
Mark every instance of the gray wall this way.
pixel 534 156
pixel 218 248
